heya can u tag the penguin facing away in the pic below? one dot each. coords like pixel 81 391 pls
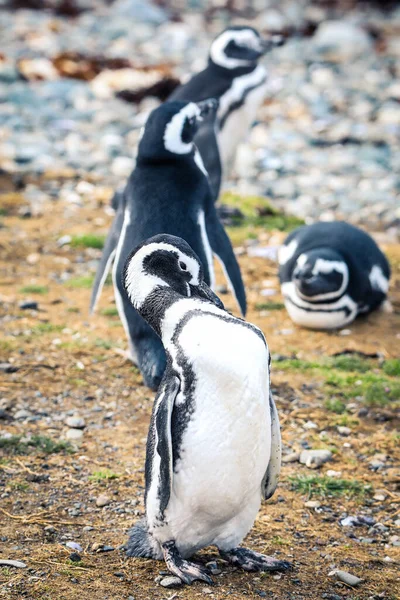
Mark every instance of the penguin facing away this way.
pixel 213 448
pixel 330 273
pixel 235 78
pixel 167 192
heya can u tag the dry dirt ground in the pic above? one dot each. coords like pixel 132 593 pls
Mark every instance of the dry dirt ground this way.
pixel 67 363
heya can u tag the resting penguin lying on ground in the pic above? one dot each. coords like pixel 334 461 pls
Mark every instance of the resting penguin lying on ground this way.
pixel 235 78
pixel 213 449
pixel 330 273
pixel 167 192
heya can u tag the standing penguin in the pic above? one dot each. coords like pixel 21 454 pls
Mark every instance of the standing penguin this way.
pixel 167 192
pixel 235 78
pixel 214 446
pixel 330 273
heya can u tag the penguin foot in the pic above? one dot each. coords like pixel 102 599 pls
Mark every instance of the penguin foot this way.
pixel 254 561
pixel 187 571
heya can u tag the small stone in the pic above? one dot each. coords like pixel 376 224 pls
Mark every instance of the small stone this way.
pixel 64 240
pixel 344 430
pixel 74 546
pixel 30 305
pixel 292 457
pixel 213 566
pixel 75 557
pixel 345 332
pixel 312 504
pixel 345 577
pixel 8 368
pixel 103 500
pixel 315 458
pixel 75 422
pixel 87 528
pixel 310 425
pixel 74 434
pixel 332 473
pixel 206 590
pixel 169 582
pixel 49 529
pixel 22 414
pixel 380 495
pixel 12 563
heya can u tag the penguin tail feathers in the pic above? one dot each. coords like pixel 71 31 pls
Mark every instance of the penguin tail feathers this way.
pixel 141 543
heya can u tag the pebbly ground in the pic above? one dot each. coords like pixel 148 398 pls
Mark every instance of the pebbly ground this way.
pixel 73 412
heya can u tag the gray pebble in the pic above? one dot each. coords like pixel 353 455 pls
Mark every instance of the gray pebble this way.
pixel 345 577
pixel 169 582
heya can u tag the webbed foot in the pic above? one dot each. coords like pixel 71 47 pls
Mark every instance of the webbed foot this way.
pixel 187 571
pixel 254 561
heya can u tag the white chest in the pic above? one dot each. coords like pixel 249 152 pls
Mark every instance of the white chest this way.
pixel 252 89
pixel 226 446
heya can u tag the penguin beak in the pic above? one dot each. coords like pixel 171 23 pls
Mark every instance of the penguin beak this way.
pixel 209 106
pixel 272 42
pixel 203 291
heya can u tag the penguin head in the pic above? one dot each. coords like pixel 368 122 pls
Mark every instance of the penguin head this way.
pixel 240 47
pixel 170 128
pixel 320 274
pixel 165 261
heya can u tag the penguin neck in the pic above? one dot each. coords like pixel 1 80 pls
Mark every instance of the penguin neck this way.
pixel 165 157
pixel 155 306
pixel 225 73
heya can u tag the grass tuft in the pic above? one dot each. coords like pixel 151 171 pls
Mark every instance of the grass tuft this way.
pixel 16 444
pixel 350 362
pixel 88 241
pixel 110 312
pixel 85 282
pixel 34 289
pixel 392 367
pixel 335 405
pixel 319 485
pixel 103 475
pixel 46 328
pixel 270 306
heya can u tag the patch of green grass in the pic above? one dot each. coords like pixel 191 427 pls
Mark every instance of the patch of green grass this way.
pixel 375 389
pixel 335 405
pixel 103 475
pixel 6 346
pixel 392 367
pixel 73 309
pixel 77 382
pixel 85 282
pixel 34 289
pixel 6 571
pixel 16 444
pixel 88 241
pixel 270 306
pixel 19 486
pixel 99 343
pixel 258 215
pixel 319 485
pixel 297 364
pixel 110 312
pixel 350 362
pixel 46 328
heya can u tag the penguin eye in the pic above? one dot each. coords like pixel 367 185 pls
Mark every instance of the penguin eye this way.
pixel 182 266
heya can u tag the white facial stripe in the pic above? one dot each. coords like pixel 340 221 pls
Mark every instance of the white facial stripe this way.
pixel 245 37
pixel 378 280
pixel 173 131
pixel 140 284
pixel 286 252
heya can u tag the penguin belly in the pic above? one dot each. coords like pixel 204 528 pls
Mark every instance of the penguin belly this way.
pixel 226 447
pixel 238 123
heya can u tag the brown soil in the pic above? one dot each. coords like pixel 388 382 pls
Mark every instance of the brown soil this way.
pixel 77 367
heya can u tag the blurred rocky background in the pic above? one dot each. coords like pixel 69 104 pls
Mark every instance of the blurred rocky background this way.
pixel 77 78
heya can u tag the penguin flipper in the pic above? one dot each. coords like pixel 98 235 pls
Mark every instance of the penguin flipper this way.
pixel 163 408
pixel 107 257
pixel 222 248
pixel 270 480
